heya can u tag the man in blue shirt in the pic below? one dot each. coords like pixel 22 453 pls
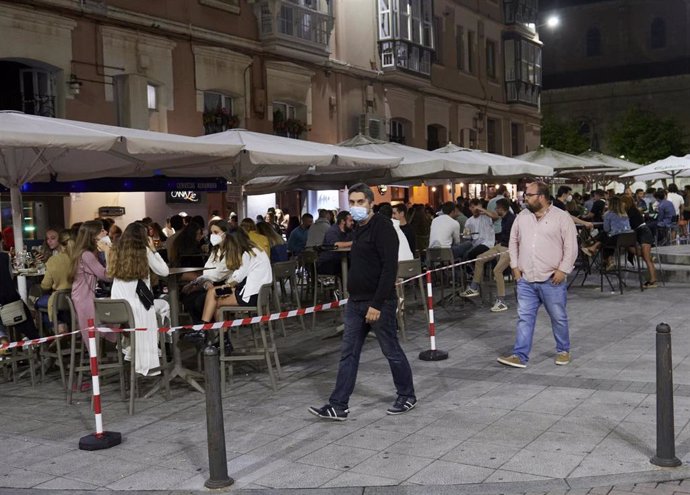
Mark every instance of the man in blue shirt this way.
pixel 664 217
pixel 340 236
pixel 298 237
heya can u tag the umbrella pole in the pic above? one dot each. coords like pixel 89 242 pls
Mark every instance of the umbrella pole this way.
pixel 17 229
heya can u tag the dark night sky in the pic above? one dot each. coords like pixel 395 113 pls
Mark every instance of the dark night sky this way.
pixel 546 5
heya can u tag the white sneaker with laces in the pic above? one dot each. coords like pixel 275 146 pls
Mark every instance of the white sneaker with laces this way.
pixel 469 292
pixel 499 306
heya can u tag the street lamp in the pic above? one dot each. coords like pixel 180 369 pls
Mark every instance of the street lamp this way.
pixel 553 22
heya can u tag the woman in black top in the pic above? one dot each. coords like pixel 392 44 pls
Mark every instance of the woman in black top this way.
pixel 645 238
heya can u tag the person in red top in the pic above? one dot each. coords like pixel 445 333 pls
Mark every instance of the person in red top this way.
pixel 543 250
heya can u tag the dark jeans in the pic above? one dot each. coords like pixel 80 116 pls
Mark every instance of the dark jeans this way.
pixel 356 330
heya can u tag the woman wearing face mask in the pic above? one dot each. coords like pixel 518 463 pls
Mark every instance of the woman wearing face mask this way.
pixel 194 293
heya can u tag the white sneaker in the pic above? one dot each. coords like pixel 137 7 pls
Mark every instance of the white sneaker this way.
pixel 499 306
pixel 469 292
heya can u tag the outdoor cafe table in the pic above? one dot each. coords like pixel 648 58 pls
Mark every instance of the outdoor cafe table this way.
pixel 186 374
pixel 343 267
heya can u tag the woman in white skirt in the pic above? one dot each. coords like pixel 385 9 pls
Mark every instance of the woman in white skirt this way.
pixel 129 262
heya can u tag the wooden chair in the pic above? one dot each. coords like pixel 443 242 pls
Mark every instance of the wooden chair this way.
pixel 407 269
pixel 286 271
pixel 261 351
pixel 17 355
pixel 119 312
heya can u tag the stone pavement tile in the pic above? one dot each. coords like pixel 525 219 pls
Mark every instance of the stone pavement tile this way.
pixel 472 415
pixel 296 475
pixel 600 490
pixel 548 464
pixel 460 432
pixel 371 438
pixel 18 443
pixel 39 453
pixel 582 425
pixel 593 465
pixel 480 454
pixel 22 478
pixel 152 479
pixel 504 476
pixel 357 479
pixel 508 396
pixel 555 400
pixel 241 442
pixel 105 471
pixel 512 439
pixel 337 457
pixel 615 491
pixel 66 484
pixel 450 473
pixel 391 465
pixel 405 423
pixel 290 447
pixel 550 441
pixel 519 420
pixel 421 445
pixel 192 459
pixel 66 463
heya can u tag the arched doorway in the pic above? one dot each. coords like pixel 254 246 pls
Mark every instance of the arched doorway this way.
pixel 28 86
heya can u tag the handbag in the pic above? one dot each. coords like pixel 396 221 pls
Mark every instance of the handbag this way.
pixel 145 295
pixel 13 313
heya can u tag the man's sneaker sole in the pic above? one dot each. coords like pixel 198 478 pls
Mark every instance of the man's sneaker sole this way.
pixel 510 363
pixel 396 413
pixel 499 309
pixel 316 412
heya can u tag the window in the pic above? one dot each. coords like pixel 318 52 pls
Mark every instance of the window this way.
pixel 491 59
pixel 385 27
pixel 285 121
pixel 470 51
pixel 438 40
pixel 522 70
pixel 520 11
pixel 516 139
pixel 593 42
pixel 152 97
pixel 460 47
pixel 218 113
pixel 37 92
pixel 397 131
pixel 493 138
pixel 658 34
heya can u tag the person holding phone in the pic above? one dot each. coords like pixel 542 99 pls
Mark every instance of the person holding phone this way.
pixel 251 268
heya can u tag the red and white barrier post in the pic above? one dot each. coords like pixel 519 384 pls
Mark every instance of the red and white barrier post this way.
pixel 432 354
pixel 101 439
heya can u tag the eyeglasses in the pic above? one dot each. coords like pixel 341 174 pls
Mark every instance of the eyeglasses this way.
pixel 529 195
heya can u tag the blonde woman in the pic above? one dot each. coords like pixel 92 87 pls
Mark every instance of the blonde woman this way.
pixel 249 227
pixel 57 277
pixel 130 261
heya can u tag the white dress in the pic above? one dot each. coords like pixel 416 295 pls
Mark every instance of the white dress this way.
pixel 146 348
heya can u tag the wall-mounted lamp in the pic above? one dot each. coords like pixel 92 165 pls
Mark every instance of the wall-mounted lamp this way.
pixel 382 189
pixel 74 85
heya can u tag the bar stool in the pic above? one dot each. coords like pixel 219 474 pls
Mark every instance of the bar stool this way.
pixel 286 271
pixel 407 269
pixel 438 257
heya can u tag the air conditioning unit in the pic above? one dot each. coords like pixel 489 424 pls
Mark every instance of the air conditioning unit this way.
pixel 372 126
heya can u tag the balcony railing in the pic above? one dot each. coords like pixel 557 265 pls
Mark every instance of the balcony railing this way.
pixel 288 21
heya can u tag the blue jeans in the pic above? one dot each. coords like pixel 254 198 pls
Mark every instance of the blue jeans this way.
pixel 356 330
pixel 530 296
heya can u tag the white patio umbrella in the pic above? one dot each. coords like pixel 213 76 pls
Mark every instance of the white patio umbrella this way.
pixel 672 167
pixel 265 155
pixel 492 164
pixel 34 148
pixel 562 163
pixel 610 163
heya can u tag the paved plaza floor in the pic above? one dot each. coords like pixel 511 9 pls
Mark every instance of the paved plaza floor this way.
pixel 479 427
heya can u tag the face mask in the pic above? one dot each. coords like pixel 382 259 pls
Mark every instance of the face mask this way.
pixel 359 213
pixel 106 240
pixel 216 239
pixel 569 198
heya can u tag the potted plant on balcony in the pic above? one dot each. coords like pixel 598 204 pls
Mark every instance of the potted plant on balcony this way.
pixel 219 120
pixel 287 127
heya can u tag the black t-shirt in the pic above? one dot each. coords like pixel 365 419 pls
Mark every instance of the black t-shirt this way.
pixel 635 217
pixel 558 204
pixel 409 234
pixel 598 210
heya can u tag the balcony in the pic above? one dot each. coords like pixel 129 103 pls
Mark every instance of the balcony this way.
pixel 295 27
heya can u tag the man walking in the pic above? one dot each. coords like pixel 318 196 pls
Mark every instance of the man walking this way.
pixel 543 249
pixel 371 306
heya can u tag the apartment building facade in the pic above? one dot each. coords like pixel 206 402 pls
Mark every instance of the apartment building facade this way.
pixel 421 72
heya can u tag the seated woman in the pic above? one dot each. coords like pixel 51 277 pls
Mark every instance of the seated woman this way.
pixel 130 261
pixel 194 293
pixel 185 245
pixel 251 269
pixel 85 272
pixel 57 277
pixel 645 239
pixel 9 294
pixel 278 245
pixel 51 245
pixel 616 222
pixel 261 241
